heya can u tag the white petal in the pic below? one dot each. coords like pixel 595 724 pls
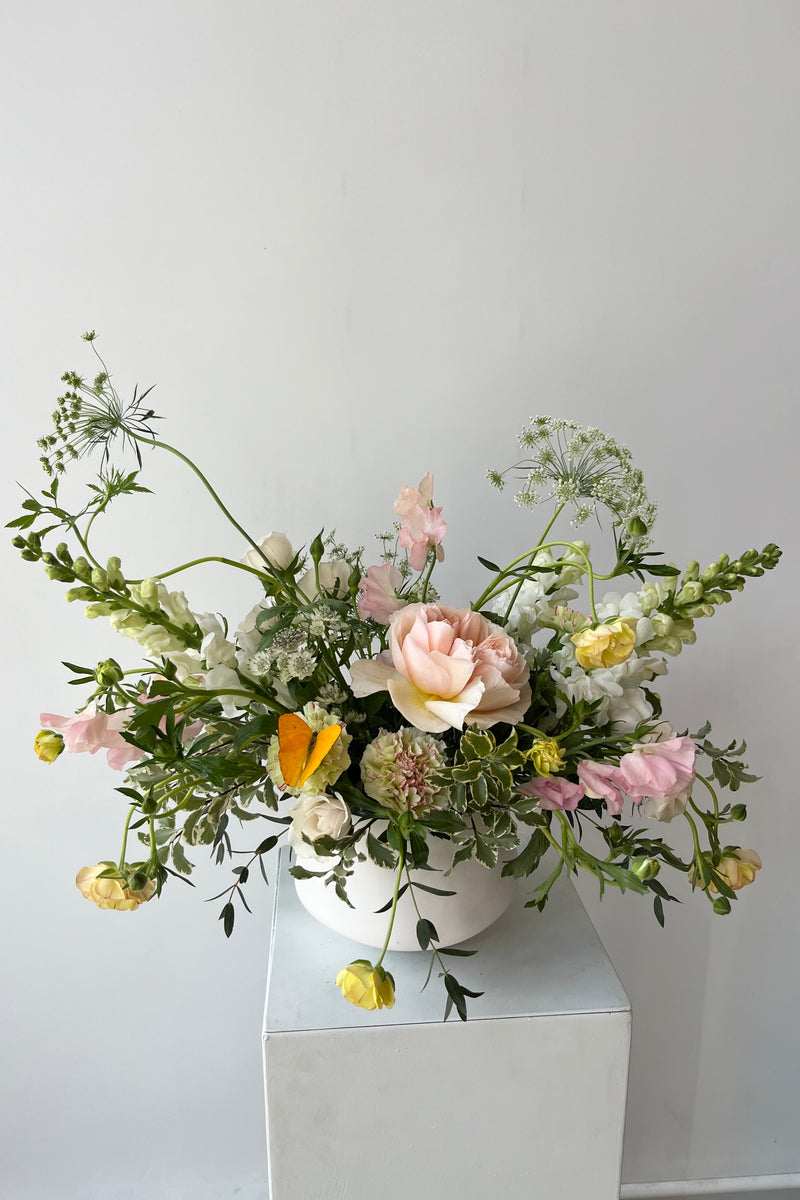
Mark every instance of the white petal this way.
pixel 368 675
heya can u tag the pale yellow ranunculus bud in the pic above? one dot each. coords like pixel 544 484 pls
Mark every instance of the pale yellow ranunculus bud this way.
pixel 604 645
pixel 737 869
pixel 111 893
pixel 547 756
pixel 366 986
pixel 48 745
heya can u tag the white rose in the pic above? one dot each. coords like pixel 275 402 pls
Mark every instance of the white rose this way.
pixel 317 816
pixel 333 577
pixel 276 548
pixel 665 808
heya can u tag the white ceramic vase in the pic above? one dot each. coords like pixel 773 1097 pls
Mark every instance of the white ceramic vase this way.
pixel 482 895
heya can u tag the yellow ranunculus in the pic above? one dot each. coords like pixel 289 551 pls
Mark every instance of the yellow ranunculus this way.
pixel 48 745
pixel 111 893
pixel 366 986
pixel 547 756
pixel 737 869
pixel 604 645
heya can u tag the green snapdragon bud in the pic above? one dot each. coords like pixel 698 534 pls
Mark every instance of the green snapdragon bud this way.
pixel 62 552
pixel 710 574
pixel 80 593
pixel 100 609
pixel 109 672
pixel 699 610
pixel 690 593
pixel 19 543
pixel 29 555
pixel 60 574
pixel 114 573
pixel 100 579
pixel 82 569
pixel 692 571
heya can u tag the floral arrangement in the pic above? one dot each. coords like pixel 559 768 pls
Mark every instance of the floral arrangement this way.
pixel 362 716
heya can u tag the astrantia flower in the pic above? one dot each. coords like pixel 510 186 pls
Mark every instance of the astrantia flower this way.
pixel 397 770
pixel 335 762
pixel 447 666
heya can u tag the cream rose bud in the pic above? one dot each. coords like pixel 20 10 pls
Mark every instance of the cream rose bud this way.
pixel 111 893
pixel 276 548
pixel 315 817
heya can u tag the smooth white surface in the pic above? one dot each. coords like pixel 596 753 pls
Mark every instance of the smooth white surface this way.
pixel 480 897
pixel 547 1045
pixel 352 242
pixel 528 964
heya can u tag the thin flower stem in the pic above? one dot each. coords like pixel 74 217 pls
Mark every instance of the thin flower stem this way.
pixel 401 858
pixel 153 846
pixel 696 838
pixel 434 950
pixel 131 811
pixel 151 441
pixel 428 574
pixel 707 785
pixel 229 562
pixel 532 556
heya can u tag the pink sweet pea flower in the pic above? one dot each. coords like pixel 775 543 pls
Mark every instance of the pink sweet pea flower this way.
pixel 422 527
pixel 91 731
pixel 603 781
pixel 410 497
pixel 379 597
pixel 447 666
pixel 661 773
pixel 554 793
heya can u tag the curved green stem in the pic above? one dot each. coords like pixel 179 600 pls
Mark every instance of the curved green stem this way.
pixel 151 441
pixel 493 589
pixel 401 858
pixel 428 574
pixel 229 562
pixel 128 819
pixel 532 556
pixel 707 785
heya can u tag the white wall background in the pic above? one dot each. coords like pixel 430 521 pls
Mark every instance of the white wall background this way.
pixel 351 242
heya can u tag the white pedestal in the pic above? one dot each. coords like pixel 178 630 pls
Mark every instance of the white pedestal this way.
pixel 526 1101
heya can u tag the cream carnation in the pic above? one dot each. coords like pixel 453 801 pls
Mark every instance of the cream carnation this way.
pixel 397 770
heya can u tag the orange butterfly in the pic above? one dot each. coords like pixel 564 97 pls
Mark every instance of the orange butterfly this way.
pixel 300 749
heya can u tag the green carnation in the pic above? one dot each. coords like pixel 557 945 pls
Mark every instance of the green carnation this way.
pixel 398 770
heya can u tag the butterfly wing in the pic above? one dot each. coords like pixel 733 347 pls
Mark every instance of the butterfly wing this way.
pixel 300 751
pixel 319 748
pixel 294 739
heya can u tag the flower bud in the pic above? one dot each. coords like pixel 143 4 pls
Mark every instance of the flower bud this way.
pixel 710 574
pixel 19 543
pixel 692 571
pixel 61 574
pixel 739 812
pixel 717 597
pixel 115 577
pixel 722 905
pixel 80 593
pixel 82 569
pixel 108 672
pixel 547 756
pixel 699 610
pixel 62 552
pixel 645 868
pixel 29 555
pixel 148 590
pixel 637 527
pixel 665 645
pixel 99 579
pixel 723 561
pixel 48 745
pixel 316 549
pixel 662 624
pixel 690 593
pixel 101 609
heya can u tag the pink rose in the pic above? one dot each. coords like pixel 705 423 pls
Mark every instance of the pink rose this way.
pixel 410 497
pixel 422 528
pixel 446 666
pixel 603 781
pixel 91 731
pixel 661 773
pixel 379 597
pixel 554 792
